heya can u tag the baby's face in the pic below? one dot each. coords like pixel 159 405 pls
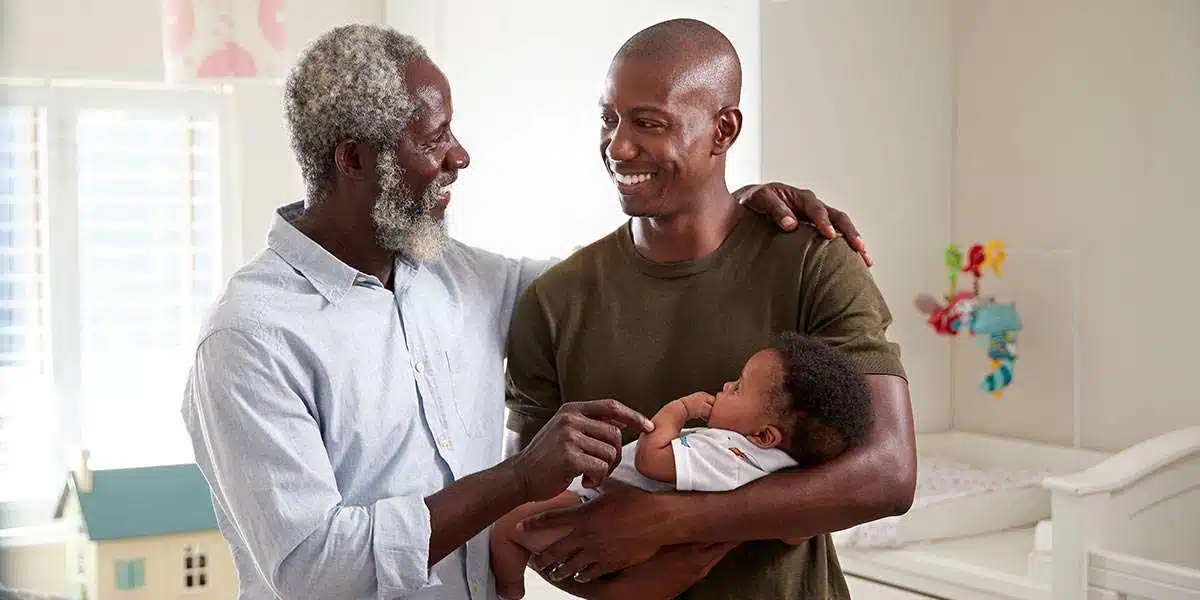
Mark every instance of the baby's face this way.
pixel 747 405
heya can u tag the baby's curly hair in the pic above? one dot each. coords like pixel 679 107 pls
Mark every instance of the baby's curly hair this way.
pixel 830 401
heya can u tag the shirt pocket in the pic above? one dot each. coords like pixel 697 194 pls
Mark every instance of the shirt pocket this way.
pixel 467 398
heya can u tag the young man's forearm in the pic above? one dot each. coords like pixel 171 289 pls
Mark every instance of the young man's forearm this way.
pixel 869 482
pixel 466 507
pixel 665 575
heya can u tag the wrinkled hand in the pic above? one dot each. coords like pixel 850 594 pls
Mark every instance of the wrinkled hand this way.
pixel 582 438
pixel 784 202
pixel 625 526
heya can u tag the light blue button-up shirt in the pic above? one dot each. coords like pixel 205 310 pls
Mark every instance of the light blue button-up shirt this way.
pixel 324 408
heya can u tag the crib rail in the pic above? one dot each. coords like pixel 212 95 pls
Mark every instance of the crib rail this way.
pixel 1120 526
pixel 1123 469
pixel 1124 576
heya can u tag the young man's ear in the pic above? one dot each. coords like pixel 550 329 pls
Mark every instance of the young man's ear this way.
pixel 729 127
pixel 767 437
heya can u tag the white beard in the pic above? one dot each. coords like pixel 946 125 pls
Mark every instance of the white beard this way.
pixel 404 222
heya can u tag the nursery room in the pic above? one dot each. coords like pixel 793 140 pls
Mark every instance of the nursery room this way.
pixel 1023 175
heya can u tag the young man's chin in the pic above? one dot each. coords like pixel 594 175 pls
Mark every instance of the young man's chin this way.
pixel 640 207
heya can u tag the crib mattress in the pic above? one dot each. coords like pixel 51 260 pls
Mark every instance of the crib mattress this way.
pixel 955 499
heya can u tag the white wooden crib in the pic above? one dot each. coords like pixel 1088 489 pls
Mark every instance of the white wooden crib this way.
pixel 1129 528
pixel 1099 527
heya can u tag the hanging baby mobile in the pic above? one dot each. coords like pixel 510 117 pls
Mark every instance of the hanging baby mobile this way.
pixel 995 325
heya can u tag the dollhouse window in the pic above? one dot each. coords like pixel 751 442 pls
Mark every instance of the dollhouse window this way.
pixel 195 568
pixel 131 573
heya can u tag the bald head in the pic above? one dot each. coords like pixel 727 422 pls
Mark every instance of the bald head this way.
pixel 692 55
pixel 669 114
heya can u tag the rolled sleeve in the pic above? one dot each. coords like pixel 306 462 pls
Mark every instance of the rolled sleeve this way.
pixel 259 446
pixel 401 544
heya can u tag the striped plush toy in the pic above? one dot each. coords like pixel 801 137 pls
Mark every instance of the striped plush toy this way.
pixel 997 324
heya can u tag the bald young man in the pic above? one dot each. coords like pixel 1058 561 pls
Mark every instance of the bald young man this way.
pixel 675 301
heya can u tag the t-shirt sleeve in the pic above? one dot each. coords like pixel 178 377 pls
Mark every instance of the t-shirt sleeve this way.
pixel 841 304
pixel 531 392
pixel 715 460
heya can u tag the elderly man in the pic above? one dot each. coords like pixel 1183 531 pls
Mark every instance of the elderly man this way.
pixel 675 301
pixel 346 400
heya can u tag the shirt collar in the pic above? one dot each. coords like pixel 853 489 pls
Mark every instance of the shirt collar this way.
pixel 331 277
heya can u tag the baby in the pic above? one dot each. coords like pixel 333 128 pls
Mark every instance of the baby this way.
pixel 798 402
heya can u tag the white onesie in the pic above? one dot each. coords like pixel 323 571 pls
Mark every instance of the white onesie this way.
pixel 706 460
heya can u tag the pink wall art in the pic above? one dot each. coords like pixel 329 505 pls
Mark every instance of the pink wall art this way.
pixel 223 39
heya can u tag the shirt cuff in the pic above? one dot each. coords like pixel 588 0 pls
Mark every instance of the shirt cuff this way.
pixel 400 533
pixel 683 468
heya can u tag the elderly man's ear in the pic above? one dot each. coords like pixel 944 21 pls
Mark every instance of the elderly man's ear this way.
pixel 354 160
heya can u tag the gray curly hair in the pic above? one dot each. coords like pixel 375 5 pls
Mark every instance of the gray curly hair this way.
pixel 348 84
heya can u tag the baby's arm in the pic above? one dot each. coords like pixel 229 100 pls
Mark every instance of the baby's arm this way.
pixel 655 457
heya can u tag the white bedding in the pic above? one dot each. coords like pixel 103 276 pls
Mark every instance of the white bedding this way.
pixel 940 482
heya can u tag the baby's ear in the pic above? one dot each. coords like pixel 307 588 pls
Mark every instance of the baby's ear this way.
pixel 767 437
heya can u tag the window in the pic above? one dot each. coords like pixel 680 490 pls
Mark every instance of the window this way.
pixel 149 265
pixel 112 241
pixel 131 573
pixel 27 417
pixel 195 568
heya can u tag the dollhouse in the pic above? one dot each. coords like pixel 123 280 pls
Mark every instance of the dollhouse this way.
pixel 143 533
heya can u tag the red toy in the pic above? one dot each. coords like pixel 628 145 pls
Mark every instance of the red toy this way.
pixel 947 319
pixel 975 259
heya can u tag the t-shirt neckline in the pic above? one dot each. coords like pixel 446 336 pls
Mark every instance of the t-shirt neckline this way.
pixel 684 268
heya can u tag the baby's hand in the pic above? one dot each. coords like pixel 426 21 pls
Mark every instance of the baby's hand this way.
pixel 699 405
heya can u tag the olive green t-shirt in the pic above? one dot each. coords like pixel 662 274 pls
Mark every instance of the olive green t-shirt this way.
pixel 609 323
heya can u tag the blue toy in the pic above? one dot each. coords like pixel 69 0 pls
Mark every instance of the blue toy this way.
pixel 996 326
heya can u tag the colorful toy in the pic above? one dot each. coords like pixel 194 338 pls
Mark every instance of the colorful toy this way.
pixel 995 325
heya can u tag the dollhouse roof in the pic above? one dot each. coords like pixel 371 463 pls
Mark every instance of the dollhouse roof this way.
pixel 146 501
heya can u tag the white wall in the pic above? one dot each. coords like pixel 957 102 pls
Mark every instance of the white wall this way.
pixel 526 78
pixel 858 98
pixel 121 40
pixel 1078 129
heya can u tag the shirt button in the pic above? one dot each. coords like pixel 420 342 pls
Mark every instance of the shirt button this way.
pixel 419 366
pixel 444 443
